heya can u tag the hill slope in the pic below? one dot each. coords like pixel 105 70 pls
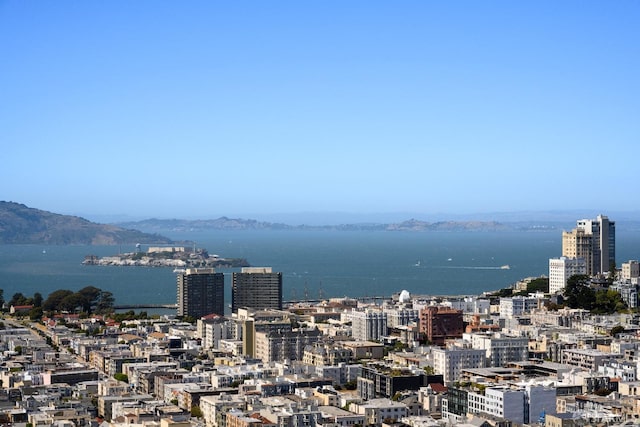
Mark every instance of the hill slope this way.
pixel 21 224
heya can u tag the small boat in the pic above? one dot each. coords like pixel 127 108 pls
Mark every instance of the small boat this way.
pixel 417 264
pixel 505 267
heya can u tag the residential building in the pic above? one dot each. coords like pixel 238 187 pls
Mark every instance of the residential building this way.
pixel 200 292
pixel 630 271
pixel 515 306
pixel 560 269
pixel 439 323
pixel 449 362
pixel 368 325
pixel 501 349
pixel 256 288
pixel 595 241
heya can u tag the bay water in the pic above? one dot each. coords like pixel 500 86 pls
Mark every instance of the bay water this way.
pixel 315 264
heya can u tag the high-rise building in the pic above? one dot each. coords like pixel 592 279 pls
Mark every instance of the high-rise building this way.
pixel 256 288
pixel 560 269
pixel 595 241
pixel 200 292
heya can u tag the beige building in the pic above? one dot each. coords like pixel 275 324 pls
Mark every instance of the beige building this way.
pixel 594 240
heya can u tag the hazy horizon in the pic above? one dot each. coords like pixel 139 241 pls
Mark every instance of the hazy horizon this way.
pixel 364 109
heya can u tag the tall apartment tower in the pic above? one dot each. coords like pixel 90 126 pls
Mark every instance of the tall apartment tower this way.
pixel 595 241
pixel 200 292
pixel 257 288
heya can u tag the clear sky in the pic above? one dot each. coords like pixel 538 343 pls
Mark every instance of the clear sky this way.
pixel 202 108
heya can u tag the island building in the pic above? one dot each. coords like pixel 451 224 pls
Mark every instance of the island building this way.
pixel 256 288
pixel 595 241
pixel 200 292
pixel 560 269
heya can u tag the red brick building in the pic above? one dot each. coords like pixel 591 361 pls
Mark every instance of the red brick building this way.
pixel 438 323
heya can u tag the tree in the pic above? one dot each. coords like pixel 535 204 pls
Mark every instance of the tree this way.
pixel 196 412
pixel 105 302
pixel 72 302
pixel 616 330
pixel 608 301
pixel 121 377
pixel 579 293
pixel 35 313
pixel 37 299
pixel 18 299
pixel 89 296
pixel 52 303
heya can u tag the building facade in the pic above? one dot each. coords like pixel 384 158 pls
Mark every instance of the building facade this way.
pixel 257 288
pixel 560 269
pixel 595 241
pixel 439 323
pixel 200 292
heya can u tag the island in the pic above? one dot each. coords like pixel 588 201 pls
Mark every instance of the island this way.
pixel 177 257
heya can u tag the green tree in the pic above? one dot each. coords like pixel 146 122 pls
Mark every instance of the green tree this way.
pixel 90 296
pixel 52 303
pixel 18 299
pixel 608 301
pixel 616 330
pixel 121 377
pixel 578 292
pixel 196 411
pixel 105 302
pixel 35 313
pixel 37 299
pixel 72 302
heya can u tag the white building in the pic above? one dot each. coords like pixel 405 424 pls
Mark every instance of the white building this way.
pixel 560 269
pixel 515 306
pixel 450 362
pixel 368 325
pixel 519 403
pixel 500 349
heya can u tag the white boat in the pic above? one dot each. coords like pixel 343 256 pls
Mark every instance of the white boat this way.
pixel 505 267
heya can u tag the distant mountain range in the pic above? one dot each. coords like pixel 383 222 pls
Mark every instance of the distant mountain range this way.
pixel 21 224
pixel 24 225
pixel 224 223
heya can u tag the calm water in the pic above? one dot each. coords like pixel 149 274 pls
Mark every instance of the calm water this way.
pixel 313 263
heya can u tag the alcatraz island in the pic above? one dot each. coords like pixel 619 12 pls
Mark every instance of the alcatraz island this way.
pixel 167 256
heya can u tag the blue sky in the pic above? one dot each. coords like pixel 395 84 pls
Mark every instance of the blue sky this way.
pixel 200 109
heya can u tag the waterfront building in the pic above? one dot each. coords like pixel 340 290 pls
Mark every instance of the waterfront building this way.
pixel 368 325
pixel 439 323
pixel 256 288
pixel 200 292
pixel 595 241
pixel 560 269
